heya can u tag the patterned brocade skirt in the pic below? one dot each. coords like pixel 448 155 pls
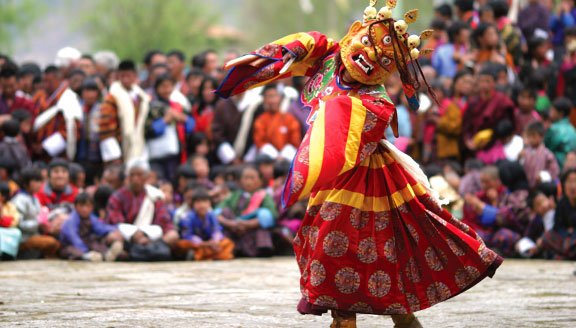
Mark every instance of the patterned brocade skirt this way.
pixel 377 242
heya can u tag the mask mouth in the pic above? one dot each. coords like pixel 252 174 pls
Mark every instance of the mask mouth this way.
pixel 363 63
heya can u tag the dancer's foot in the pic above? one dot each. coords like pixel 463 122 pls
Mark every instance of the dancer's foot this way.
pixel 343 320
pixel 405 321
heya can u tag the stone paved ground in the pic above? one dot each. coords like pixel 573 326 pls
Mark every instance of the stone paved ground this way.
pixel 254 293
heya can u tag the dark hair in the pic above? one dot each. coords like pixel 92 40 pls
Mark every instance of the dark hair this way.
pixel 76 72
pixel 150 54
pixel 445 10
pixel 161 79
pixel 200 194
pixel 271 86
pixel 28 175
pixel 499 7
pixel 504 129
pixel 8 70
pixel 177 53
pixel 480 31
pixel 563 105
pixel 281 168
pixel 101 196
pixel 532 197
pixel 565 177
pixel 512 175
pixel 127 65
pixel 529 92
pixel 90 84
pixel 263 159
pixel 5 190
pixel 11 128
pixel 59 162
pixel 185 171
pixel 550 189
pixel 201 101
pixel 30 69
pixel 251 167
pixel 83 199
pixel 473 164
pixel 21 115
pixel 491 70
pixel 117 169
pixel 536 128
pixel 464 5
pixel 194 71
pixel 51 69
pixel 75 170
pixel 455 29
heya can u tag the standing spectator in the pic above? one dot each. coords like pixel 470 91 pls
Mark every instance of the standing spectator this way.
pixel 564 18
pixel 276 134
pixel 456 54
pixel 57 191
pixel 11 147
pixel 106 63
pixel 152 58
pixel 465 12
pixel 85 237
pixel 566 86
pixel 9 218
pixel 177 65
pixel 59 117
pixel 139 209
pixel 89 144
pixel 202 236
pixel 167 126
pixel 203 112
pixel 561 136
pixel 525 114
pixel 123 115
pixel 207 61
pixel 34 242
pixel 489 47
pixel 10 100
pixel 535 18
pixel 539 162
pixel 194 79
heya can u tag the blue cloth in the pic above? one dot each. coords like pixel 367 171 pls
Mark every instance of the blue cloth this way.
pixel 443 61
pixel 488 217
pixel 558 25
pixel 264 216
pixel 190 124
pixel 70 233
pixel 159 127
pixel 193 226
pixel 10 241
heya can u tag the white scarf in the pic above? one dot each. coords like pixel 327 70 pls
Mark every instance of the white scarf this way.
pixel 133 144
pixel 71 109
pixel 146 213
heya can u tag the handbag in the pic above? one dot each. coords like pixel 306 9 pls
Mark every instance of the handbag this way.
pixel 165 145
pixel 9 242
pixel 154 251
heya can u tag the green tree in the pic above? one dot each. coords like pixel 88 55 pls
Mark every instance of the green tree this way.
pixel 16 16
pixel 130 28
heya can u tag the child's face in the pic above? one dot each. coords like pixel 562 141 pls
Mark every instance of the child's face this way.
pixel 525 102
pixel 84 210
pixel 201 207
pixel 200 166
pixel 26 126
pixel 250 180
pixel 35 186
pixel 541 204
pixel 202 148
pixel 570 162
pixel 534 140
pixel 555 114
pixel 570 187
pixel 168 192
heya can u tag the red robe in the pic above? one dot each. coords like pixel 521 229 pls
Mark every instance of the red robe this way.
pixel 373 239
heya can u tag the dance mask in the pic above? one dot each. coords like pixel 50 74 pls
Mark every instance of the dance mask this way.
pixel 373 49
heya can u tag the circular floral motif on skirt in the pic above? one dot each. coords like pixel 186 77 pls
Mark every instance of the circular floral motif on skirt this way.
pixel 330 211
pixel 314 210
pixel 414 233
pixel 462 226
pixel 304 155
pixel 317 273
pixel 361 307
pixel 437 292
pixel 396 308
pixel 367 251
pixel 435 259
pixel 297 182
pixel 381 220
pixel 313 236
pixel 486 254
pixel 370 121
pixel 335 244
pixel 465 276
pixel 326 301
pixel 347 280
pixel 297 241
pixel 457 250
pixel 303 262
pixel 367 150
pixel 412 271
pixel 306 294
pixel 379 284
pixel 413 302
pixel 359 219
pixel 390 250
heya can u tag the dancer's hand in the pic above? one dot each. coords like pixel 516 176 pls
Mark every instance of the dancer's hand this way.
pixel 253 60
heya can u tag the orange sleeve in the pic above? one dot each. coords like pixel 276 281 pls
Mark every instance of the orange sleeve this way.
pixel 108 123
pixel 259 132
pixel 294 131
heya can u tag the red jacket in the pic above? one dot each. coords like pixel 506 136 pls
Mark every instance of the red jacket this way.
pixel 49 198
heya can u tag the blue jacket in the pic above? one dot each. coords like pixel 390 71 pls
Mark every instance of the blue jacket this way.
pixel 70 233
pixel 195 229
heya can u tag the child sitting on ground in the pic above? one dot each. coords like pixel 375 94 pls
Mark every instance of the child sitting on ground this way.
pixel 9 217
pixel 539 162
pixel 84 237
pixel 202 237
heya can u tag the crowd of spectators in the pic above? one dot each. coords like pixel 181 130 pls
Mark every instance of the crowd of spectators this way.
pixel 108 159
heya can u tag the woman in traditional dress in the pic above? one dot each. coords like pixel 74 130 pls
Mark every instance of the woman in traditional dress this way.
pixel 375 238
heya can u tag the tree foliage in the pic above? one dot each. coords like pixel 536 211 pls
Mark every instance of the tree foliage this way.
pixel 131 28
pixel 16 16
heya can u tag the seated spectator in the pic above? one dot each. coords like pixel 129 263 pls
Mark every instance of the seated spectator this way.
pixel 541 207
pixel 168 190
pixel 201 168
pixel 12 147
pixel 58 190
pixel 101 197
pixel 507 145
pixel 201 233
pixel 7 169
pixel 560 242
pixel 247 214
pixel 455 55
pixel 85 237
pixel 276 134
pixel 561 137
pixel 184 176
pixel 113 176
pixel 526 112
pixel 77 176
pixel 265 165
pixel 139 210
pixel 470 182
pixel 498 215
pixel 538 161
pixel 35 243
pixel 9 218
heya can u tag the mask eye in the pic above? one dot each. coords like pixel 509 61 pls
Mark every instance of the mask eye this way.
pixel 386 61
pixel 366 41
pixel 387 40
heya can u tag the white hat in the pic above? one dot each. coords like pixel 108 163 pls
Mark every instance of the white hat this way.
pixel 66 56
pixel 107 59
pixel 137 163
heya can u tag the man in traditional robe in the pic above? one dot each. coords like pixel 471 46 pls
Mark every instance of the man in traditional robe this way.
pixel 122 117
pixel 10 99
